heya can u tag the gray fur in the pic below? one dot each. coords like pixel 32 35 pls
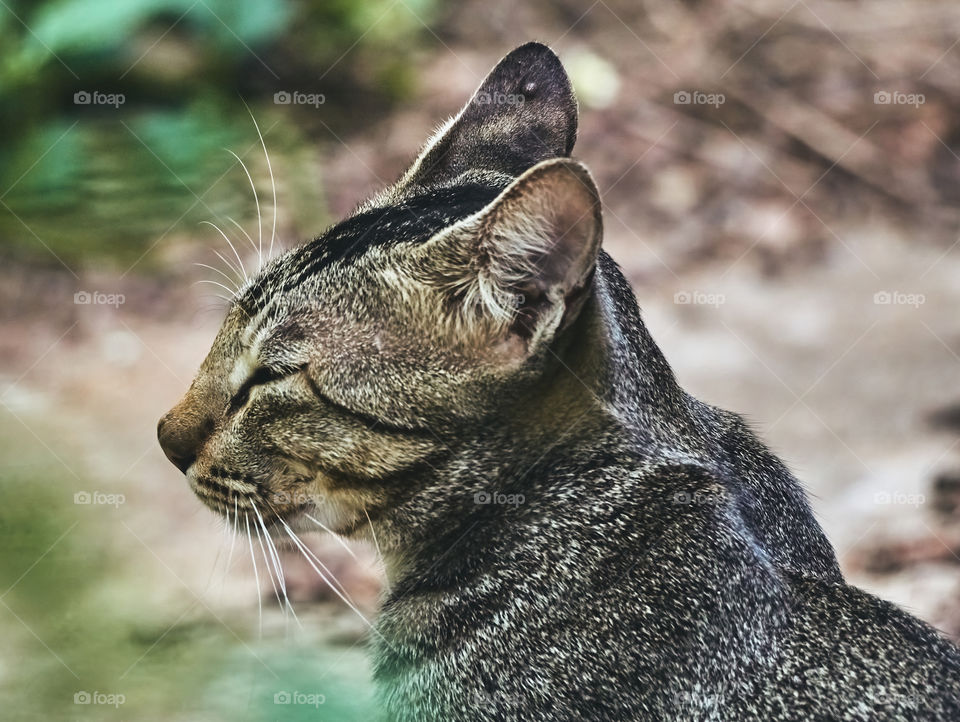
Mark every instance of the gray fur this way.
pixel 568 534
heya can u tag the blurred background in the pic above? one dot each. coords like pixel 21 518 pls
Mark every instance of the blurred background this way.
pixel 780 183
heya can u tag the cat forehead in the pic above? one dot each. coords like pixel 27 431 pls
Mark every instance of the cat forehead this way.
pixel 409 220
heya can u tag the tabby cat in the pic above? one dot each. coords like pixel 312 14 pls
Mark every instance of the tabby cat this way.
pixel 568 535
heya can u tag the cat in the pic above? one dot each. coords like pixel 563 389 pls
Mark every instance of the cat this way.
pixel 459 370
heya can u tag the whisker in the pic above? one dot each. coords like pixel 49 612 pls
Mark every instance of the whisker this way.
pixel 233 533
pixel 217 283
pixel 273 184
pixel 223 304
pixel 269 567
pixel 228 536
pixel 313 555
pixel 226 301
pixel 276 563
pixel 256 199
pixel 236 288
pixel 256 576
pixel 213 570
pixel 243 231
pixel 335 536
pixel 232 248
pixel 230 264
pixel 383 562
pixel 343 598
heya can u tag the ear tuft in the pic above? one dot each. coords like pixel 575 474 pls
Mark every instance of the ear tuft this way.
pixel 524 263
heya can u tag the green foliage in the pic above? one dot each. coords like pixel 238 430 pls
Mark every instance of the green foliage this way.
pixel 90 27
pixel 78 614
pixel 107 188
pixel 102 182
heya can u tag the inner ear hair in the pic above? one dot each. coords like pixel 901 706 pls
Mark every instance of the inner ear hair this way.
pixel 524 263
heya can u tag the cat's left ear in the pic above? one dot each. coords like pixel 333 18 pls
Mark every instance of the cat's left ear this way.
pixel 524 112
pixel 521 267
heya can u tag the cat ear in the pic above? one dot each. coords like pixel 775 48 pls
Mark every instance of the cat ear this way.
pixel 523 112
pixel 523 264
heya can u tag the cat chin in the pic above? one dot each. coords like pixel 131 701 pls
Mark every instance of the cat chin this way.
pixel 324 517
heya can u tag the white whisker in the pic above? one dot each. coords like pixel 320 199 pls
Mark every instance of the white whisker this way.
pixel 313 555
pixel 256 576
pixel 256 199
pixel 268 565
pixel 273 184
pixel 233 532
pixel 243 231
pixel 226 301
pixel 335 536
pixel 276 563
pixel 232 293
pixel 376 544
pixel 343 598
pixel 236 288
pixel 230 264
pixel 232 248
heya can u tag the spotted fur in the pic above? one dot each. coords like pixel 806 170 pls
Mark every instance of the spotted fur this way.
pixel 568 534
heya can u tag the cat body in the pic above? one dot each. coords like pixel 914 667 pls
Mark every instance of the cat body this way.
pixel 458 372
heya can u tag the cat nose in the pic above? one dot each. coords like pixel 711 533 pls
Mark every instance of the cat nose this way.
pixel 179 441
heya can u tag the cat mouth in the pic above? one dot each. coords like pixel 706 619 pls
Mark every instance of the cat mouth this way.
pixel 253 505
pixel 236 496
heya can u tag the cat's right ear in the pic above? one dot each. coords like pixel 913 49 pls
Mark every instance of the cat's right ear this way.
pixel 524 112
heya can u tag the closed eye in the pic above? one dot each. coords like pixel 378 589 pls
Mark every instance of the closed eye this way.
pixel 263 375
pixel 371 422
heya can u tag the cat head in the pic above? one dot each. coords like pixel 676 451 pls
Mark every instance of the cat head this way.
pixel 343 367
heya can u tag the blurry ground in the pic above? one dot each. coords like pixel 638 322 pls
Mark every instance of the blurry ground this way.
pixel 794 248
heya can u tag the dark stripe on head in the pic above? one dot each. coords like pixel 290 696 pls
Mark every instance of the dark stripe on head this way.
pixel 412 220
